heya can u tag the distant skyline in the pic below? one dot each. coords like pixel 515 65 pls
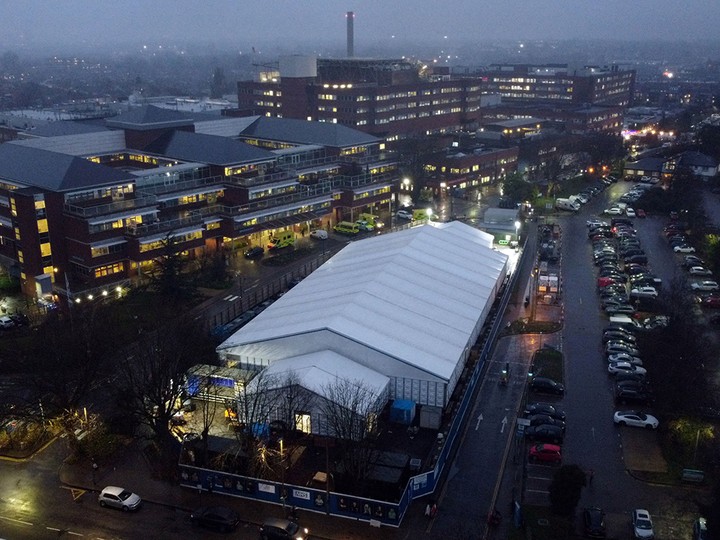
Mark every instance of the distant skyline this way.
pixel 97 24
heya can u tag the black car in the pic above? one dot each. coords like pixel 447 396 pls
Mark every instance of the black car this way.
pixel 640 259
pixel 254 252
pixel 547 386
pixel 216 517
pixel 20 319
pixel 625 396
pixel 629 376
pixel 540 419
pixel 544 408
pixel 613 335
pixel 545 433
pixel 638 386
pixel 594 522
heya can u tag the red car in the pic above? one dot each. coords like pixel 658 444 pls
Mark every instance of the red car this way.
pixel 640 213
pixel 711 301
pixel 546 453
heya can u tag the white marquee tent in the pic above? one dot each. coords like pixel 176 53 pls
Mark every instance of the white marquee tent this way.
pixel 408 304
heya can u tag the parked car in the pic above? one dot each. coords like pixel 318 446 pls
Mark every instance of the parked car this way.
pixel 641 259
pixel 640 213
pixel 254 252
pixel 319 234
pixel 635 419
pixel 545 433
pixel 282 529
pixel 546 419
pixel 546 453
pixel 6 323
pixel 692 260
pixel 627 309
pixel 614 347
pixel 544 408
pixel 615 335
pixel 700 531
pixel 629 212
pixel 618 367
pixel 711 302
pixel 629 376
pixel 644 292
pixel 642 524
pixel 547 386
pixel 221 518
pixel 700 271
pixel 705 286
pixel 117 497
pixel 614 211
pixel 626 396
pixel 624 357
pixel 404 214
pixel 594 522
pixel 684 248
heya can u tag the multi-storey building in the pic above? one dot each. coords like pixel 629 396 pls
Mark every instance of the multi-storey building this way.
pixel 387 98
pixel 572 119
pixel 86 212
pixel 556 84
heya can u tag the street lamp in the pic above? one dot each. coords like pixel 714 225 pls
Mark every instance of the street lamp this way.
pixel 517 231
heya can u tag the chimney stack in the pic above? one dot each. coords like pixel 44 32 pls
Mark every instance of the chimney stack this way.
pixel 350 16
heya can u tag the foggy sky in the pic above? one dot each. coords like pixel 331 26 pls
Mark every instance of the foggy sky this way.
pixel 48 24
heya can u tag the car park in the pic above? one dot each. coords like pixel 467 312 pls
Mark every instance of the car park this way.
pixel 642 524
pixel 635 419
pixel 705 286
pixel 282 529
pixel 544 408
pixel 545 433
pixel 221 518
pixel 117 497
pixel 545 453
pixel 594 522
pixel 617 367
pixel 699 271
pixel 545 385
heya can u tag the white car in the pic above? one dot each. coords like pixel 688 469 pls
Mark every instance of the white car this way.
pixel 700 271
pixel 644 292
pixel 705 286
pixel 614 211
pixel 684 249
pixel 615 347
pixel 319 234
pixel 636 419
pixel 625 367
pixel 629 212
pixel 624 357
pixel 404 214
pixel 642 524
pixel 117 497
pixel 596 223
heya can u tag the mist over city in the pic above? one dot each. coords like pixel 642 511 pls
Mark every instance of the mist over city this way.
pixel 350 270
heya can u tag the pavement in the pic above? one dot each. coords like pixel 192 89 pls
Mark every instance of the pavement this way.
pixel 130 469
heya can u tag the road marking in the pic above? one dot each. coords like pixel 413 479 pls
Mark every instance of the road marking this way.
pixel 76 492
pixel 593 433
pixel 537 491
pixel 16 520
pixel 480 419
pixel 228 296
pixel 503 424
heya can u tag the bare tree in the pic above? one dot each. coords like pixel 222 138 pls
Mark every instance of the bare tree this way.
pixel 349 409
pixel 152 374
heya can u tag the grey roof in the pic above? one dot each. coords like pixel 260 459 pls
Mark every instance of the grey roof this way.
pixel 82 144
pixel 646 164
pixel 303 132
pixel 149 117
pixel 29 166
pixel 696 159
pixel 64 127
pixel 210 149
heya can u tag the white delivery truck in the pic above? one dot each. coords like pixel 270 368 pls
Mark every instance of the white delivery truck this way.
pixel 566 204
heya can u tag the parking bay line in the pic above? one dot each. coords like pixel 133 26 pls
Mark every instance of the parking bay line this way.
pixel 16 520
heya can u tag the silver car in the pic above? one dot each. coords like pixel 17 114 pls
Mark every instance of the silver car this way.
pixel 117 497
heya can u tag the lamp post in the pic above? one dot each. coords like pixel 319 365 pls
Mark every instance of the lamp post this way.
pixel 517 231
pixel 282 472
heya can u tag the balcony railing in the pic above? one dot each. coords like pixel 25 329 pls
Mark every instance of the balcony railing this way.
pixel 110 208
pixel 197 217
